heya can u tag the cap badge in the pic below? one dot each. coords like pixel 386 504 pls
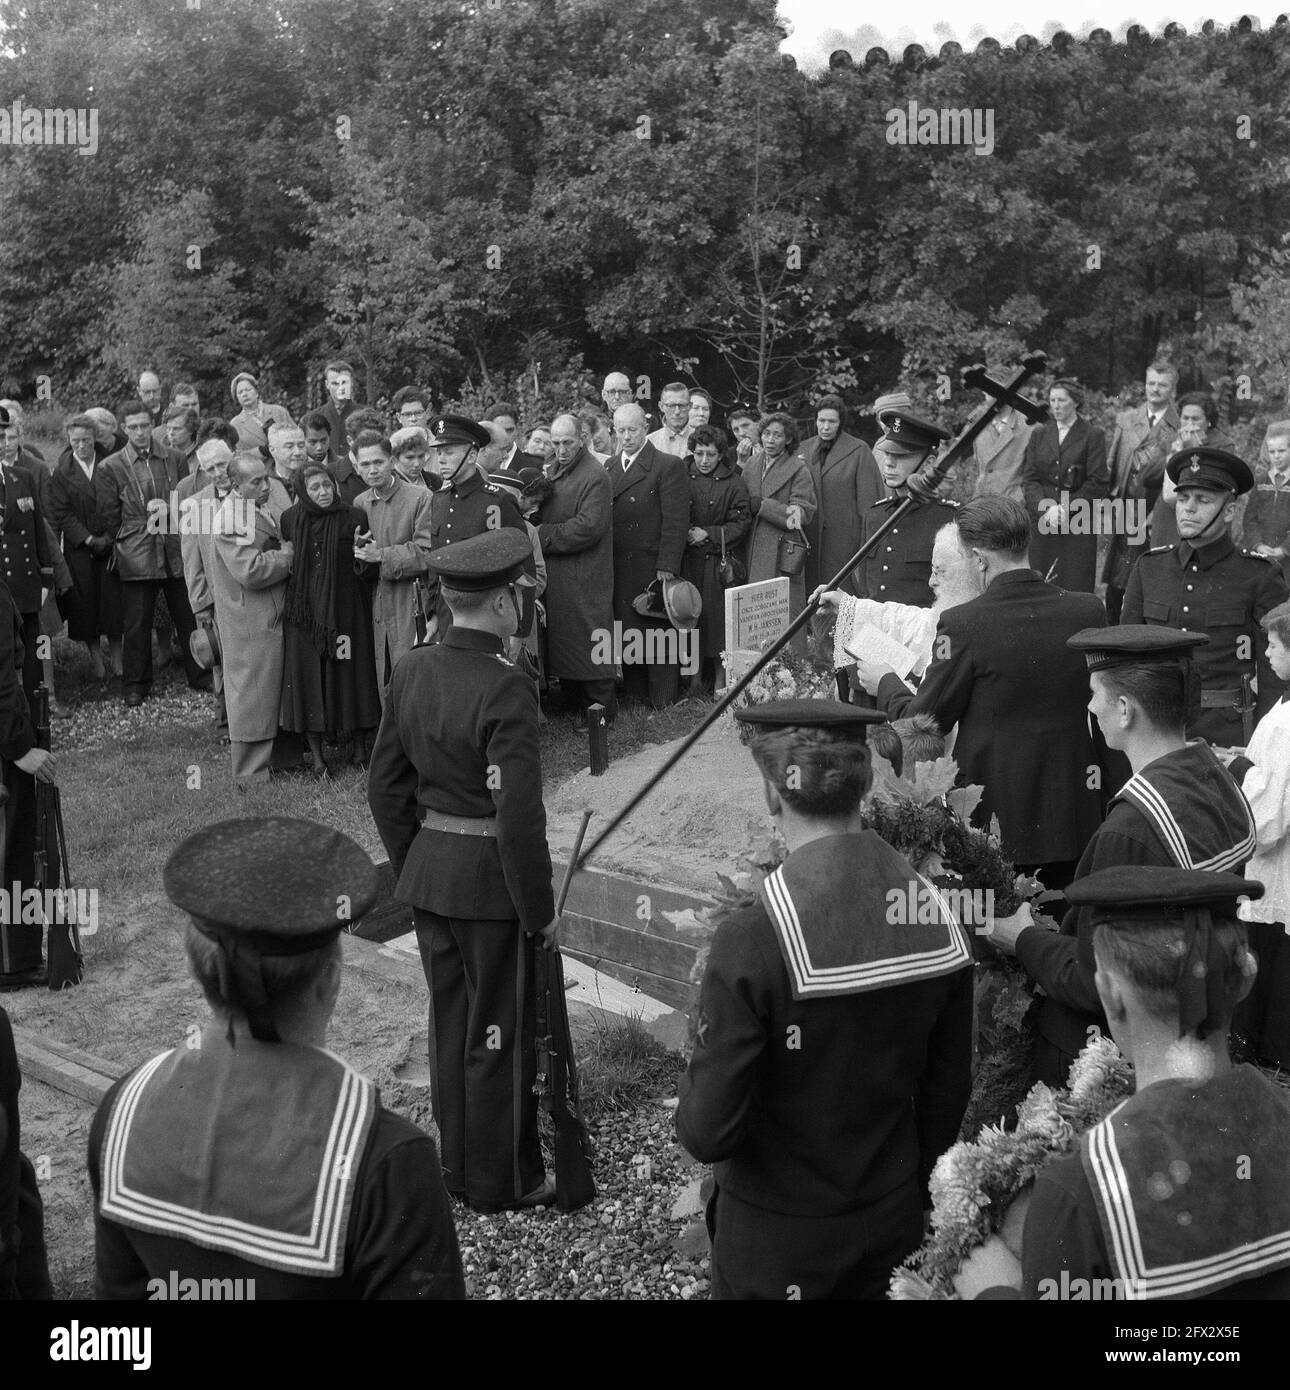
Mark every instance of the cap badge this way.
pixel 1195 463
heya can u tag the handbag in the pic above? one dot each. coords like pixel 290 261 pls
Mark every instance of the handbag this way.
pixel 730 571
pixel 793 550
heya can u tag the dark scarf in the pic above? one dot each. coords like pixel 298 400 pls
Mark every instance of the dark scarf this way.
pixel 311 590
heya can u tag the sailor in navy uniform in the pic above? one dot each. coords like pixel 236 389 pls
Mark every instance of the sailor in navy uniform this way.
pixel 468 504
pixel 900 569
pixel 832 1059
pixel 250 1154
pixel 1183 1191
pixel 1206 584
pixel 1181 808
pixel 455 788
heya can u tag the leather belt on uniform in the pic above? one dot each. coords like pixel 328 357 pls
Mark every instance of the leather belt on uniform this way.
pixel 1220 699
pixel 459 825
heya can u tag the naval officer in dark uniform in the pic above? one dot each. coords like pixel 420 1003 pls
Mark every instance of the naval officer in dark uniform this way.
pixel 900 569
pixel 1206 584
pixel 1181 808
pixel 455 787
pixel 249 1161
pixel 467 504
pixel 832 1058
pixel 1183 1191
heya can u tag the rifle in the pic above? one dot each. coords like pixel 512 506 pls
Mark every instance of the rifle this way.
pixel 1248 707
pixel 922 487
pixel 66 964
pixel 557 1074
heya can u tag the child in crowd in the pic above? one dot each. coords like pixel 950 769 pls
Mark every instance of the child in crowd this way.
pixel 1263 770
pixel 1265 527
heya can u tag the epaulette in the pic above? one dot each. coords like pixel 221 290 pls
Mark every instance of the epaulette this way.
pixel 1254 555
pixel 490 487
pixel 506 661
pixel 887 501
pixel 1162 549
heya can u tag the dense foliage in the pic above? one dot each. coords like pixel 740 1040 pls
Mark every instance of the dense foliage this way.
pixel 476 196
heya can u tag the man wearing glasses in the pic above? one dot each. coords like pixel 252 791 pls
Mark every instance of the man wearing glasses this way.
pixel 411 407
pixel 616 391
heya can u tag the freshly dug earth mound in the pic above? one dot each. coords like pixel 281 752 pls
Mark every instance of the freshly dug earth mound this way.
pixel 695 824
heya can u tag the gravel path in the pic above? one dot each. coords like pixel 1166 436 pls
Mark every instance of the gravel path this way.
pixel 625 1245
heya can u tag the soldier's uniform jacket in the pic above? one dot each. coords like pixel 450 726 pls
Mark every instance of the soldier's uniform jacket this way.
pixel 900 569
pixel 459 736
pixel 1182 1192
pixel 26 554
pixel 1186 810
pixel 1222 591
pixel 833 1053
pixel 468 508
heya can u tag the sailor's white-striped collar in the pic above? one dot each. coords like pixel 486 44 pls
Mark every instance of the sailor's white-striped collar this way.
pixel 1148 799
pixel 1188 1278
pixel 810 979
pixel 319 1251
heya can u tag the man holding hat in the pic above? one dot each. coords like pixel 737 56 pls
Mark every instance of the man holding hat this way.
pixel 455 788
pixel 832 1057
pixel 1181 808
pixel 467 504
pixel 1183 1191
pixel 252 1153
pixel 900 569
pixel 1205 584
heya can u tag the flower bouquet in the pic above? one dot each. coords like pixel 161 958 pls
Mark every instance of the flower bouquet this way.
pixel 980 1187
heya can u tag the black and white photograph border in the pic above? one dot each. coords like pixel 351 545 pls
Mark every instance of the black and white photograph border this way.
pixel 366 366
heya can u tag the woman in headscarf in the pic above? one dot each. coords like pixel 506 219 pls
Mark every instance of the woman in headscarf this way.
pixel 329 668
pixel 253 420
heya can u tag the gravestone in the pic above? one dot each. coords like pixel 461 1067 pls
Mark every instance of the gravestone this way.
pixel 756 614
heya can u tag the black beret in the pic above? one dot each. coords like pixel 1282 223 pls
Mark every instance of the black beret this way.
pixel 1212 468
pixel 277 883
pixel 810 714
pixel 458 429
pixel 1135 644
pixel 486 561
pixel 1158 893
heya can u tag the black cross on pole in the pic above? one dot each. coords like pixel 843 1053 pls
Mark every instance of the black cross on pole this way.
pixel 922 488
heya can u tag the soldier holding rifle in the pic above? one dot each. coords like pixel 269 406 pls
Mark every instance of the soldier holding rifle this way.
pixel 455 787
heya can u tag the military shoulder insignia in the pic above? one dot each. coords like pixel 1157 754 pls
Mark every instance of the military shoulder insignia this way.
pixel 506 661
pixel 1267 559
pixel 1161 549
pixel 490 487
pixel 886 501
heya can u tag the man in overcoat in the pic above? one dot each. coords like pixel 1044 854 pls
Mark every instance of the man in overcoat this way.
pixel 575 529
pixel 135 487
pixel 651 518
pixel 248 578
